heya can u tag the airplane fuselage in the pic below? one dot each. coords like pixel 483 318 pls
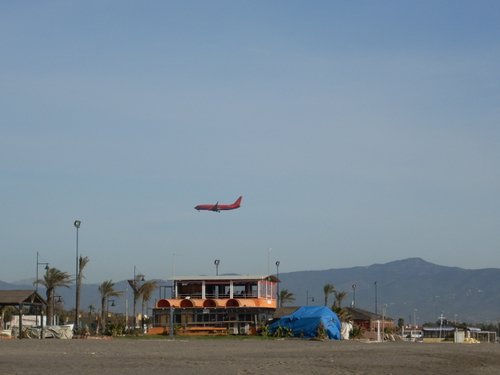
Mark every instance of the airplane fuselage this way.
pixel 219 207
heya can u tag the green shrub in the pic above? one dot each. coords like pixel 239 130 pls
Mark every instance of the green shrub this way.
pixel 283 332
pixel 321 332
pixel 356 332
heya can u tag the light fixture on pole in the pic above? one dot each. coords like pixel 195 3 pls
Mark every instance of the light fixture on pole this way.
pixel 217 262
pixel 278 282
pixel 107 307
pixel 76 224
pixel 308 298
pixel 59 300
pixel 112 303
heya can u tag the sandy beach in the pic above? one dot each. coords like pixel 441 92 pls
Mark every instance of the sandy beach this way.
pixel 237 356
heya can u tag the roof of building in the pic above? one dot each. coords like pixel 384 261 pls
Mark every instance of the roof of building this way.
pixel 225 278
pixel 437 329
pixel 16 297
pixel 360 314
pixel 282 311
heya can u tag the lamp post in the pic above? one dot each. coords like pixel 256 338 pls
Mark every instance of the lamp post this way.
pixel 76 224
pixel 38 263
pixel 59 300
pixel 278 282
pixel 107 308
pixel 308 298
pixel 91 309
pixel 217 262
pixel 353 304
pixel 376 297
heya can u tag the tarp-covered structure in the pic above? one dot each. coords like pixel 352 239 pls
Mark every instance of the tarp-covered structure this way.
pixel 304 322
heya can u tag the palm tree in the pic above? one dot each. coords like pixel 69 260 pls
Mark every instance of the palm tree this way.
pixel 343 314
pixel 286 296
pixel 327 290
pixel 145 291
pixel 339 296
pixel 134 284
pixel 107 289
pixel 82 262
pixel 53 279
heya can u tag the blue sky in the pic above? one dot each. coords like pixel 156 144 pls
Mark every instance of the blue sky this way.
pixel 357 132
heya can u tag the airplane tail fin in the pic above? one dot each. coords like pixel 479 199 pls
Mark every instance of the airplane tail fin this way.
pixel 238 201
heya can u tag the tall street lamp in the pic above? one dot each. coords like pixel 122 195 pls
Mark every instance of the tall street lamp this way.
pixel 59 300
pixel 91 309
pixel 278 282
pixel 107 308
pixel 308 298
pixel 76 224
pixel 107 304
pixel 217 262
pixel 376 297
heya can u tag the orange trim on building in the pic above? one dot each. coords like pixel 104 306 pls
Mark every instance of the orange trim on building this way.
pixel 266 303
pixel 216 303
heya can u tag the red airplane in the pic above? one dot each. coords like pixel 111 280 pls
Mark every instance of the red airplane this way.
pixel 219 207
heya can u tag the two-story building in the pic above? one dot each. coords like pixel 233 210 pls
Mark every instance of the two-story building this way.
pixel 236 303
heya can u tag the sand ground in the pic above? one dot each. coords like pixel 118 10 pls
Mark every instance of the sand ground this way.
pixel 237 356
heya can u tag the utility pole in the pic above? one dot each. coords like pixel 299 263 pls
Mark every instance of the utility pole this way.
pixel 353 304
pixel 376 297
pixel 77 224
pixel 278 283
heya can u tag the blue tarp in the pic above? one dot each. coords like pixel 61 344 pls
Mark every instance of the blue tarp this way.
pixel 305 320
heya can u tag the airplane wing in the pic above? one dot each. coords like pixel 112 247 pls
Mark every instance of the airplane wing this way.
pixel 216 207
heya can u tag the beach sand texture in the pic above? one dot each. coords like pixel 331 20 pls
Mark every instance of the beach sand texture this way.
pixel 237 356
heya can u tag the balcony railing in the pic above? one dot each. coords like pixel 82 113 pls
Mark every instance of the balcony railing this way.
pixel 219 295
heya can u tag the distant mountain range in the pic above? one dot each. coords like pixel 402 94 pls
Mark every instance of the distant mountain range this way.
pixel 406 285
pixel 403 286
